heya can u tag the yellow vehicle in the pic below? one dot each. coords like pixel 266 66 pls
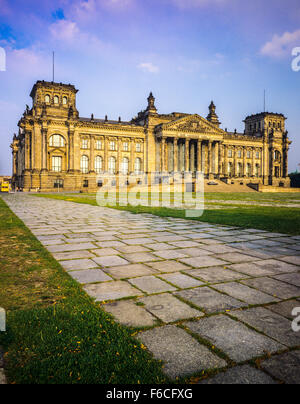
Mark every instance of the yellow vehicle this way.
pixel 5 186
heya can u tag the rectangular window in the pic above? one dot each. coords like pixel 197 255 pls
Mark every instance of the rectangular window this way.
pixel 58 183
pixel 112 146
pixel 257 155
pixel 248 154
pixel 56 164
pixel 230 153
pixel 138 147
pixel 84 144
pixel 239 154
pixel 98 145
pixel 85 183
pixel 125 146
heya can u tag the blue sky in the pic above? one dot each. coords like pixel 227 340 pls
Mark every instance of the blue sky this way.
pixel 187 52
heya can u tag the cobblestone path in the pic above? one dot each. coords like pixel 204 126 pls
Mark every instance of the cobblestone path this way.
pixel 187 282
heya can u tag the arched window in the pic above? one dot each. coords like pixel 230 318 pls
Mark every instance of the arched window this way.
pixel 277 155
pixel 57 141
pixel 112 165
pixel 65 100
pixel 98 164
pixel 84 164
pixel 56 99
pixel 47 99
pixel 125 166
pixel 138 166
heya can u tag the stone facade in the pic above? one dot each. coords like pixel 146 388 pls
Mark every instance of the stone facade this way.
pixel 57 149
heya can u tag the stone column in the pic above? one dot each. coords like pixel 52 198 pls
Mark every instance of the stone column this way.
pixel 27 150
pixel 92 154
pixel 244 161
pixel 187 155
pixel 106 154
pixel 225 171
pixel 199 155
pixel 271 171
pixel 44 132
pixel 71 150
pixel 131 165
pixel 176 155
pixel 210 171
pixel 163 154
pixel 285 162
pixel 234 161
pixel 216 158
pixel 220 162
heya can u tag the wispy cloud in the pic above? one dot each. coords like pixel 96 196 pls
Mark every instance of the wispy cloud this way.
pixel 4 7
pixel 148 67
pixel 198 3
pixel 281 46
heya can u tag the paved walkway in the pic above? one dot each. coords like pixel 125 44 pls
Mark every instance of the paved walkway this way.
pixel 189 282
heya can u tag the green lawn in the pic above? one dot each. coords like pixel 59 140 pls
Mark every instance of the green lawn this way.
pixel 55 332
pixel 270 218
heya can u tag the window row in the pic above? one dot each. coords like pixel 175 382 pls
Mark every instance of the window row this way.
pixel 240 170
pixel 59 141
pixel 112 165
pixel 56 99
pixel 112 145
pixel 240 154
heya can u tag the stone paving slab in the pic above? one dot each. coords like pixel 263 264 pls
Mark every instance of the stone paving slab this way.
pixel 293 279
pixel 285 308
pixel 151 284
pixel 111 291
pixel 104 252
pixel 129 271
pixel 90 276
pixel 129 314
pixel 252 269
pixel 244 374
pixel 215 274
pixel 140 257
pixel 285 368
pixel 209 300
pixel 180 352
pixel 73 255
pixel 168 308
pixel 77 265
pixel 180 280
pixel 202 262
pixel 235 339
pixel 168 266
pixel 244 293
pixel 235 257
pixel 273 287
pixel 110 261
pixel 291 259
pixel 71 247
pixel 271 324
pixel 194 252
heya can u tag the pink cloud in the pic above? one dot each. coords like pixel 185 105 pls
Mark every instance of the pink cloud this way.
pixel 281 46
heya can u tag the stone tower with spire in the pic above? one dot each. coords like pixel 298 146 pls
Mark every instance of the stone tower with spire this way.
pixel 212 116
